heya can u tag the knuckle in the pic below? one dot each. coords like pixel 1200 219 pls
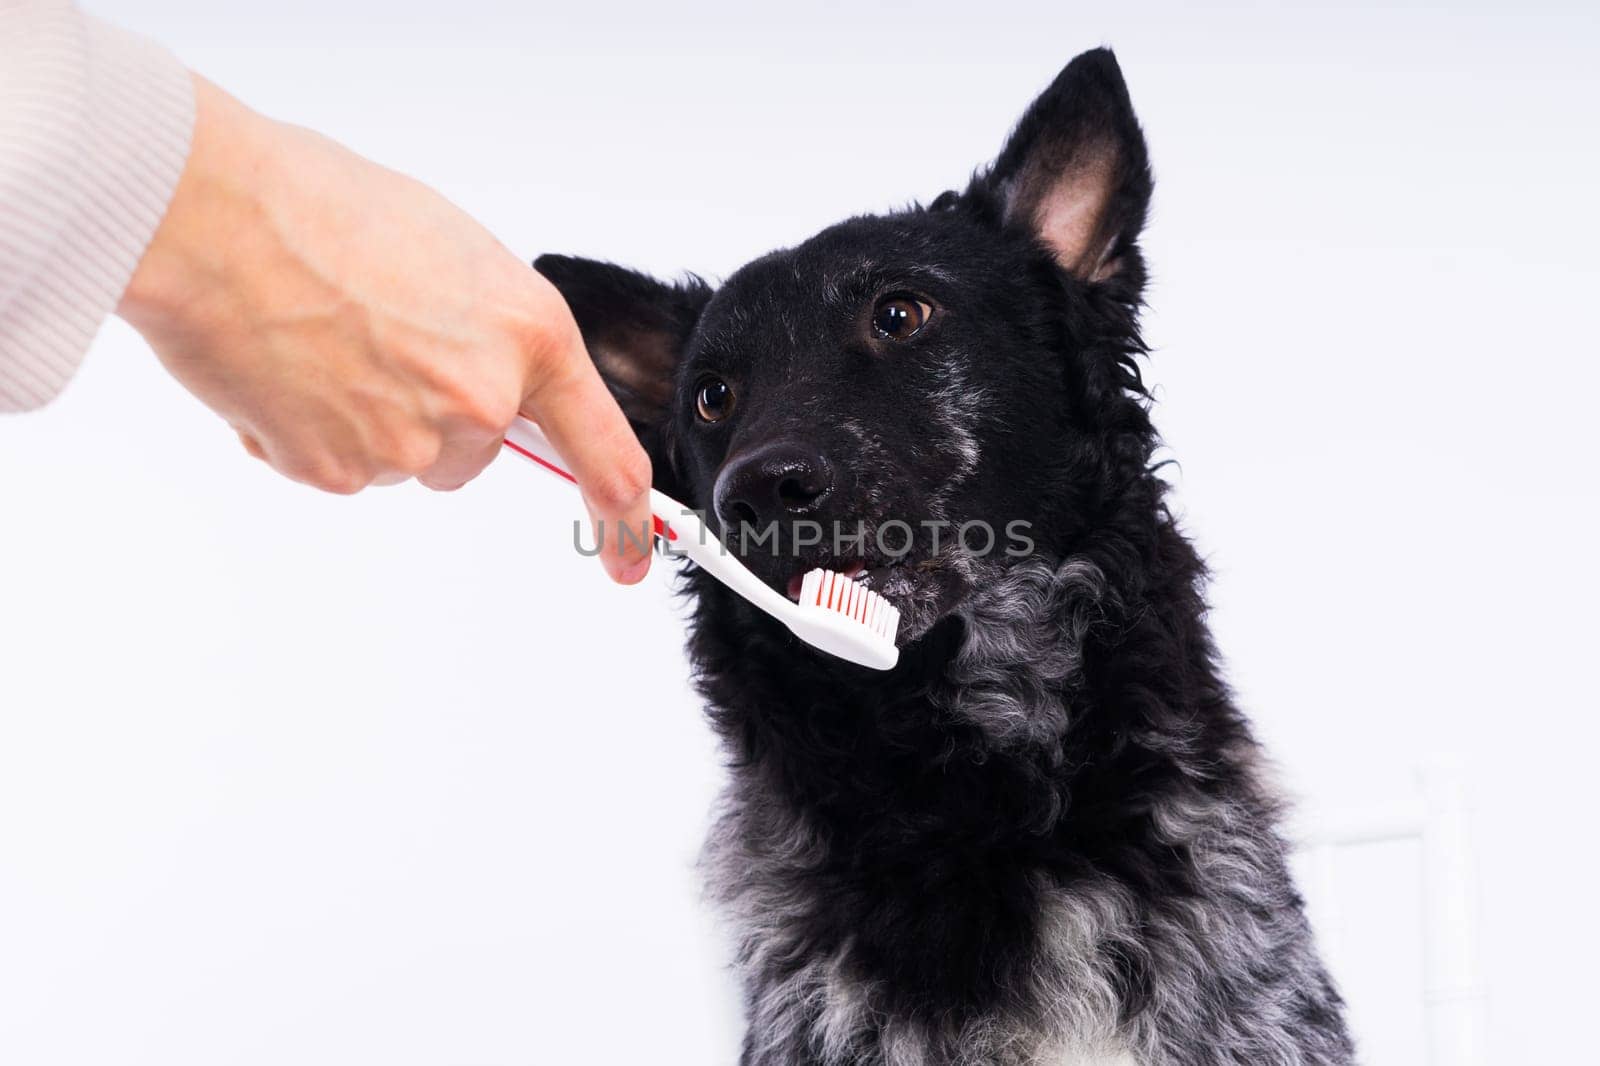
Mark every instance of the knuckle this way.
pixel 440 484
pixel 489 414
pixel 326 472
pixel 549 337
pixel 346 482
pixel 480 399
pixel 622 483
pixel 335 477
pixel 414 454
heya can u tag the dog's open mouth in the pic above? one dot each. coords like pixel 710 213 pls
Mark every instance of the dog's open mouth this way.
pixel 922 586
pixel 875 578
pixel 922 589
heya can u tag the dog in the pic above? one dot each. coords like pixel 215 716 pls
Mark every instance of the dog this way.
pixel 1046 835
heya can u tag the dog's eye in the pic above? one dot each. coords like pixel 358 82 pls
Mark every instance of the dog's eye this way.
pixel 713 400
pixel 899 316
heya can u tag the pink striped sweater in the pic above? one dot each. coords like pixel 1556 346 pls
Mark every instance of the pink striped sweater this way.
pixel 94 130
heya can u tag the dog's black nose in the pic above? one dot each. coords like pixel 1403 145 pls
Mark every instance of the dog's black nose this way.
pixel 777 481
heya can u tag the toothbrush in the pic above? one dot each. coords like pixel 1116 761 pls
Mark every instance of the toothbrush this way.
pixel 835 614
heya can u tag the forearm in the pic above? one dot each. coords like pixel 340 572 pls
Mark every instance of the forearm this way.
pixel 94 130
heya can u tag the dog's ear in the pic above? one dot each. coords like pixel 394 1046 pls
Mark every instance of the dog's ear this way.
pixel 635 328
pixel 1076 174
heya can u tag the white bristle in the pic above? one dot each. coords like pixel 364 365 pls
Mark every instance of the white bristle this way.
pixel 830 590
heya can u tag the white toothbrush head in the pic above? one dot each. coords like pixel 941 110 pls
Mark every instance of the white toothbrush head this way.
pixel 843 617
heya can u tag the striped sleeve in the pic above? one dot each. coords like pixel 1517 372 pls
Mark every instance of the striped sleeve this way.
pixel 94 131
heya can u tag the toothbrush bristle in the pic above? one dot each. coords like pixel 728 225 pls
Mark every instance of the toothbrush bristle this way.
pixel 832 591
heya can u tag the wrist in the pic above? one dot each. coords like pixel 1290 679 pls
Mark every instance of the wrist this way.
pixel 190 256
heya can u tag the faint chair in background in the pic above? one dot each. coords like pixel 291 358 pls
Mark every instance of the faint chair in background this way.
pixel 1455 999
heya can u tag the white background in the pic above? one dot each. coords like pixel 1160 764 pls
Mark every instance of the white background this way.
pixel 397 778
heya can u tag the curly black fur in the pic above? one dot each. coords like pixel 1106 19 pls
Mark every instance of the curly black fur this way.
pixel 1044 836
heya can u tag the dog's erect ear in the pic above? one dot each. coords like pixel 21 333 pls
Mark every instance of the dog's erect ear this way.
pixel 634 326
pixel 1075 171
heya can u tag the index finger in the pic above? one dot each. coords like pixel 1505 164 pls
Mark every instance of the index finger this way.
pixel 572 405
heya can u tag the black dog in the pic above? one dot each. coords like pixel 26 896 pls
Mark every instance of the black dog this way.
pixel 1044 836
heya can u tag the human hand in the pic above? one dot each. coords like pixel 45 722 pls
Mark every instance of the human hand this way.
pixel 355 328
